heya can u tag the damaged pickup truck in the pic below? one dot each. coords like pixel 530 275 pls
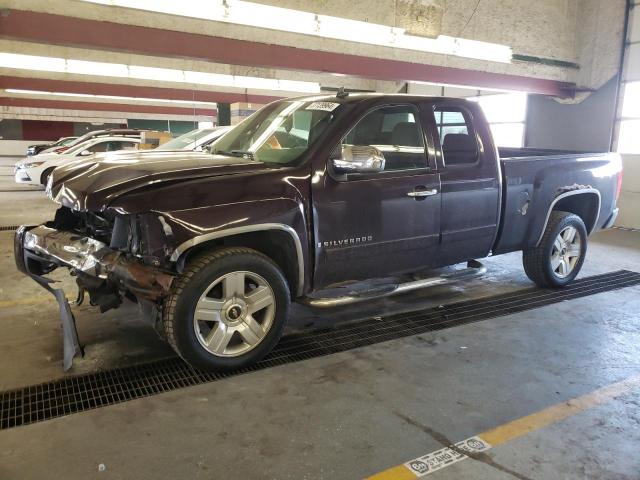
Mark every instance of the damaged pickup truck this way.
pixel 304 194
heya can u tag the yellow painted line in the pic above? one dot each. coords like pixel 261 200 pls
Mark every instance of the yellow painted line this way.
pixel 399 472
pixel 535 421
pixel 431 462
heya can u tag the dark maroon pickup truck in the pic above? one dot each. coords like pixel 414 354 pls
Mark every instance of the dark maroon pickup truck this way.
pixel 305 194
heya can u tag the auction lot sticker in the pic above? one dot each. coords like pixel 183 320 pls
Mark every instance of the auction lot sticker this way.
pixel 444 457
pixel 326 106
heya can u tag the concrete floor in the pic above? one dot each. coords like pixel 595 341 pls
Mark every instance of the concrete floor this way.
pixel 345 416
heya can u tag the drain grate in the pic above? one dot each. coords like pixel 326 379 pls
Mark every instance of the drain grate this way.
pixel 9 227
pixel 85 392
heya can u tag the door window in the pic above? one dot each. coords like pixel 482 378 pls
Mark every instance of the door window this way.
pixel 459 146
pixel 111 146
pixel 120 145
pixel 396 132
pixel 98 147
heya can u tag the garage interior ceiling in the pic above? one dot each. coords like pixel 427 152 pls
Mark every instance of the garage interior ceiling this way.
pixel 224 51
pixel 325 26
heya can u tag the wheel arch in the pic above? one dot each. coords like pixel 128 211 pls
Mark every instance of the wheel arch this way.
pixel 279 242
pixel 45 173
pixel 584 202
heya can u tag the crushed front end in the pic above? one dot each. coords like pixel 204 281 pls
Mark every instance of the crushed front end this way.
pixel 111 255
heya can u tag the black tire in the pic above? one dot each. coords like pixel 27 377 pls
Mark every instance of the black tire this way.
pixel 45 176
pixel 537 260
pixel 179 307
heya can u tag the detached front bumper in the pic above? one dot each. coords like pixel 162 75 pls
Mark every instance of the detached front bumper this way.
pixel 104 273
pixel 39 250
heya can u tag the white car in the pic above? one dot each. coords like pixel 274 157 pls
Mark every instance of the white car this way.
pixel 35 170
pixel 195 139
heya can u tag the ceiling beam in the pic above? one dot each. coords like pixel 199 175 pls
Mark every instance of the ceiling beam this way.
pixel 93 88
pixel 71 31
pixel 105 107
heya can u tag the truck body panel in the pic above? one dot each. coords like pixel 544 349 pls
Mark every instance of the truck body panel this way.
pixel 444 196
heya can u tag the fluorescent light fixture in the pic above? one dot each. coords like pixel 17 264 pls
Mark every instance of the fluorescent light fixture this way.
pixel 89 96
pixel 120 70
pixel 297 21
pixel 32 62
pixel 161 74
pixel 97 68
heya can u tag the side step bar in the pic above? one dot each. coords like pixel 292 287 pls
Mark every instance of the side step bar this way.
pixel 474 269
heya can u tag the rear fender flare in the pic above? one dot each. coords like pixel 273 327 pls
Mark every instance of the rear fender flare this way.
pixel 580 191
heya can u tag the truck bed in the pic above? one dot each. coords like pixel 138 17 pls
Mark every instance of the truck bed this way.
pixel 507 153
pixel 533 179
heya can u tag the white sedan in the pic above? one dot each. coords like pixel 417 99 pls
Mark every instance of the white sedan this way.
pixel 35 170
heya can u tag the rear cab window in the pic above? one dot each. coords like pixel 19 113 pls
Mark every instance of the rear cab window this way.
pixel 456 135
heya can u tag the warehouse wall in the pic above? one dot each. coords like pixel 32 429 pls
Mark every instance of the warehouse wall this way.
pixel 629 202
pixel 584 126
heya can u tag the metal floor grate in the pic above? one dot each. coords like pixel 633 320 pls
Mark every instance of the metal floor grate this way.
pixel 84 392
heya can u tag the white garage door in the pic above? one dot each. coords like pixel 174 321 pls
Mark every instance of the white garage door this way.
pixel 628 122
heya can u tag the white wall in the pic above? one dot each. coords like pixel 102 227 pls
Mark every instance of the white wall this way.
pixel 629 202
pixel 585 126
pixel 17 148
pixel 630 196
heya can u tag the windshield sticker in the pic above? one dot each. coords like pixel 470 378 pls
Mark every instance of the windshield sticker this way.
pixel 326 106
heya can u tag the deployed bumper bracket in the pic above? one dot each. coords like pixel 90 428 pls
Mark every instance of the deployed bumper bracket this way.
pixel 70 343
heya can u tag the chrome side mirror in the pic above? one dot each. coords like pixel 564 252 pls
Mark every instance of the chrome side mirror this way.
pixel 359 159
pixel 85 153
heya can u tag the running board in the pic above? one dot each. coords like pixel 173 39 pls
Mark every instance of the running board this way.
pixel 474 269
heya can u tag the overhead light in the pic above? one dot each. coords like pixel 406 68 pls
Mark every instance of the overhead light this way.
pixel 105 69
pixel 161 74
pixel 297 21
pixel 96 68
pixel 89 96
pixel 33 62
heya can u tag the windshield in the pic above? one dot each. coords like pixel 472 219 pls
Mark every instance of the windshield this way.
pixel 64 141
pixel 278 133
pixel 188 141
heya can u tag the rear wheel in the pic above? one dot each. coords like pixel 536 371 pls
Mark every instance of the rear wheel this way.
pixel 227 310
pixel 558 258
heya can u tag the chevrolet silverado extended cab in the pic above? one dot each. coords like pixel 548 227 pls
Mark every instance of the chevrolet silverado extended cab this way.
pixel 304 194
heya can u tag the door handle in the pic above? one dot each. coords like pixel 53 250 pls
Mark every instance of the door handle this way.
pixel 423 193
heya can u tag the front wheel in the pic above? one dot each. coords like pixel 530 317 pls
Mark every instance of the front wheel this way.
pixel 227 310
pixel 558 258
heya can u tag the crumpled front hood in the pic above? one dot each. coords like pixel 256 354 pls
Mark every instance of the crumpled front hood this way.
pixel 92 184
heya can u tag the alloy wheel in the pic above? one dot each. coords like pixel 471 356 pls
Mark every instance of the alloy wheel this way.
pixel 234 314
pixel 565 252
